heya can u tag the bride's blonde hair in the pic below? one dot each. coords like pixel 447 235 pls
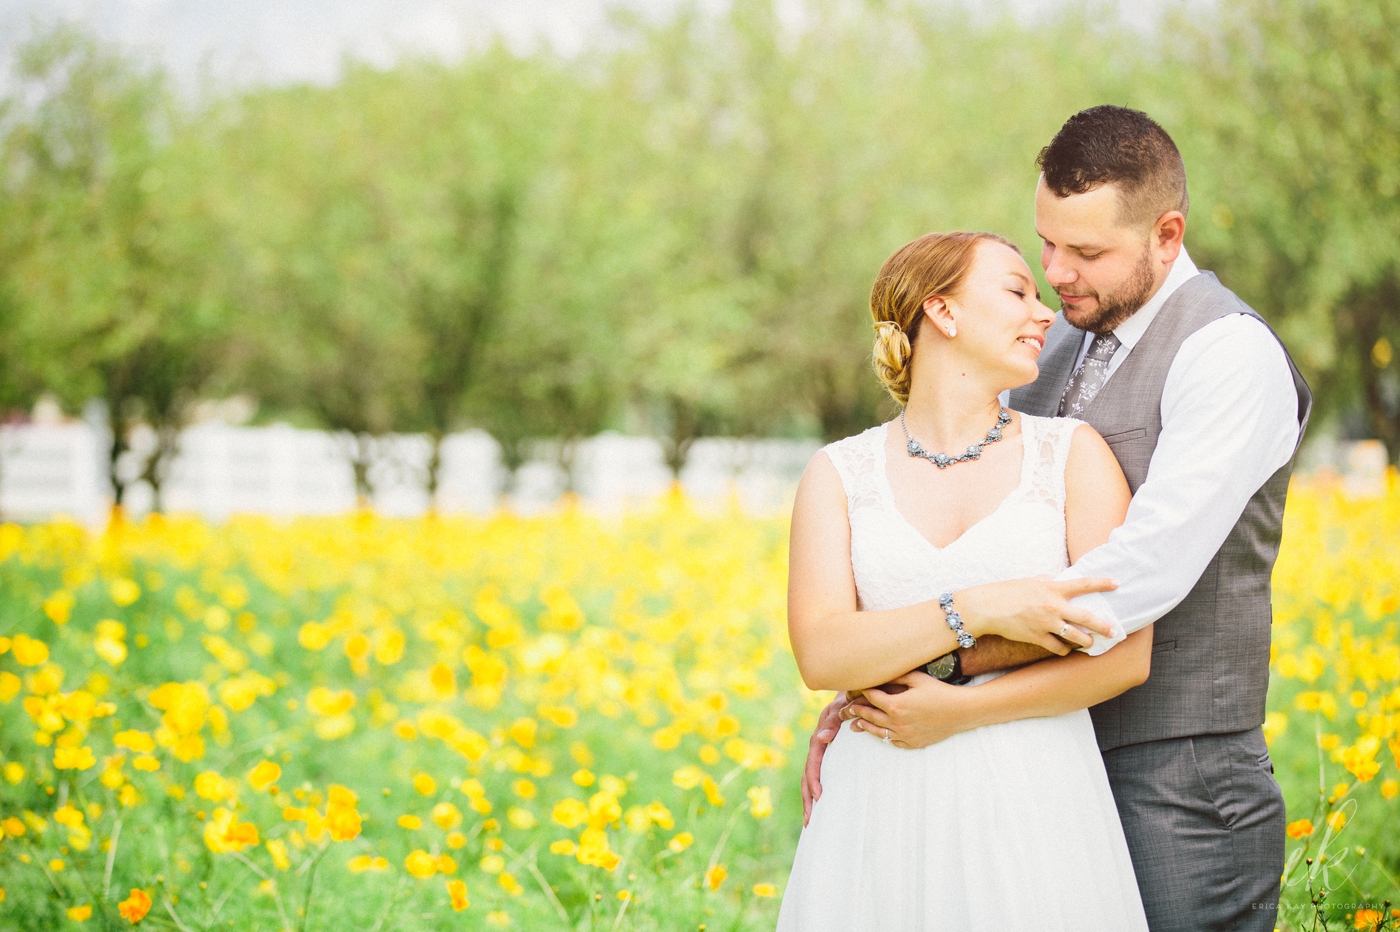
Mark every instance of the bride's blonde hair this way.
pixel 933 264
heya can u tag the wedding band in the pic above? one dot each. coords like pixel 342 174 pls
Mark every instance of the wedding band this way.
pixel 887 736
pixel 1064 631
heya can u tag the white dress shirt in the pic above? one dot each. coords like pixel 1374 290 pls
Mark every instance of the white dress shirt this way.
pixel 1229 421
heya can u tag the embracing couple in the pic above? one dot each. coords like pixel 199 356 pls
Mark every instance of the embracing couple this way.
pixel 1076 574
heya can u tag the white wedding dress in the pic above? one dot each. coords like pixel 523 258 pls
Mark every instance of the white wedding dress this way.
pixel 1006 827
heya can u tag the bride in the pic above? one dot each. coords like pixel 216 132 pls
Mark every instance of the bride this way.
pixel 1011 825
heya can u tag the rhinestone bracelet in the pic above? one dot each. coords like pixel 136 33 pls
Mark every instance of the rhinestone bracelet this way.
pixel 945 602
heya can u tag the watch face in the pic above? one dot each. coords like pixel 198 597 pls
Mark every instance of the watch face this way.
pixel 942 668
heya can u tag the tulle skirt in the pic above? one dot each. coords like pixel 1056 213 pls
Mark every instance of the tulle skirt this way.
pixel 1006 827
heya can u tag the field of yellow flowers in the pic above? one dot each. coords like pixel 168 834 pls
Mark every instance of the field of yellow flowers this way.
pixel 555 722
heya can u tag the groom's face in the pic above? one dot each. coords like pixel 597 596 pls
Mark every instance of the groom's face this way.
pixel 1102 269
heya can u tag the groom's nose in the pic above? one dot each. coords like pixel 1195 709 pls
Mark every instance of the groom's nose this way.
pixel 1058 271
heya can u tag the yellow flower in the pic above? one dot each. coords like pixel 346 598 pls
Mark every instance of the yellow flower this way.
pixel 765 890
pixel 500 919
pixel 1359 759
pixel 329 703
pixel 223 833
pixel 80 913
pixel 424 784
pixel 343 820
pixel 135 907
pixel 522 731
pixel 277 848
pixel 493 864
pixel 124 591
pixel 457 893
pixel 210 785
pixel 67 815
pixel 446 815
pixel 563 846
pixel 688 777
pixel 1300 829
pixel 59 606
pixel 133 740
pixel 28 651
pixel 680 842
pixel 509 884
pixel 363 862
pixel 760 802
pixel 569 812
pixel 79 758
pixel 714 877
pixel 264 775
pixel 420 864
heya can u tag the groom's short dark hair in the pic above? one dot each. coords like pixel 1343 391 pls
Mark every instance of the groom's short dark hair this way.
pixel 1116 145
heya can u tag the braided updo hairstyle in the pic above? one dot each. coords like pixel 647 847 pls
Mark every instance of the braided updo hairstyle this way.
pixel 933 264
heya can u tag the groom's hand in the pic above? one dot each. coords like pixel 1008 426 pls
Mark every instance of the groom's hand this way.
pixel 926 712
pixel 1035 611
pixel 827 726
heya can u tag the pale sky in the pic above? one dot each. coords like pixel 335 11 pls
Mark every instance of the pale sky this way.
pixel 278 41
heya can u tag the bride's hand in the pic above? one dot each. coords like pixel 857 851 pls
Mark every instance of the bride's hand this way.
pixel 827 726
pixel 1036 611
pixel 927 712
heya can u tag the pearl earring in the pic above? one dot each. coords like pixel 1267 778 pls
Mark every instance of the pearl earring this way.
pixel 952 331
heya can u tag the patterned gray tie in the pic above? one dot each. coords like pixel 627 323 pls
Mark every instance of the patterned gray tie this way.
pixel 1090 376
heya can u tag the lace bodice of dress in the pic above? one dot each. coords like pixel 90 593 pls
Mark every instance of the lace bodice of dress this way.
pixel 896 566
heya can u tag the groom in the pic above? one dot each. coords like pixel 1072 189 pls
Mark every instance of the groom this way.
pixel 1204 410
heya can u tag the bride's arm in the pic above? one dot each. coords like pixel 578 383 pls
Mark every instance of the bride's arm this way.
pixel 1096 499
pixel 836 645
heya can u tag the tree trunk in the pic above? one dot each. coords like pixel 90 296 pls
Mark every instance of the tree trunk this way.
pixel 157 468
pixel 434 467
pixel 115 449
pixel 1369 314
pixel 684 430
pixel 359 450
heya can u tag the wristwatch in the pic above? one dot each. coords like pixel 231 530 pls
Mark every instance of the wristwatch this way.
pixel 947 668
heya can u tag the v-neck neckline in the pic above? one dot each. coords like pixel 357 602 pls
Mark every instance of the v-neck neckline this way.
pixel 888 489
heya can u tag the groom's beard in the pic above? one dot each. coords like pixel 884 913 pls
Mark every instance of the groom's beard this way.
pixel 1111 310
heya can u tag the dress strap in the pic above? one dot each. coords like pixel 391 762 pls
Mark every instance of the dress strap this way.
pixel 859 461
pixel 1048 441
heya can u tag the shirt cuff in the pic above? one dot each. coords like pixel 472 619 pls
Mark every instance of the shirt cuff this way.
pixel 1095 603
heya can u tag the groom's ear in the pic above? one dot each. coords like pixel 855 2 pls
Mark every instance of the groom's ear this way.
pixel 1167 235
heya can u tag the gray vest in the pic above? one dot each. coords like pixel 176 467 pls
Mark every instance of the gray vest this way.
pixel 1210 654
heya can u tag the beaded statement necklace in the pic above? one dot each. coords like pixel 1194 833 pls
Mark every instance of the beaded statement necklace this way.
pixel 943 460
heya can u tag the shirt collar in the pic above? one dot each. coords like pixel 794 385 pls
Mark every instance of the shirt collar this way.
pixel 1132 329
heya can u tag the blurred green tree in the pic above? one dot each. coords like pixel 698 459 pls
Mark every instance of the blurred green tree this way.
pixel 115 264
pixel 1295 108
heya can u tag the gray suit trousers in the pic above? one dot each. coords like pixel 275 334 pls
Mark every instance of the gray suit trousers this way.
pixel 1205 824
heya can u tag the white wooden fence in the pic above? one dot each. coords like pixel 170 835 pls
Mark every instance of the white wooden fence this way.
pixel 51 469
